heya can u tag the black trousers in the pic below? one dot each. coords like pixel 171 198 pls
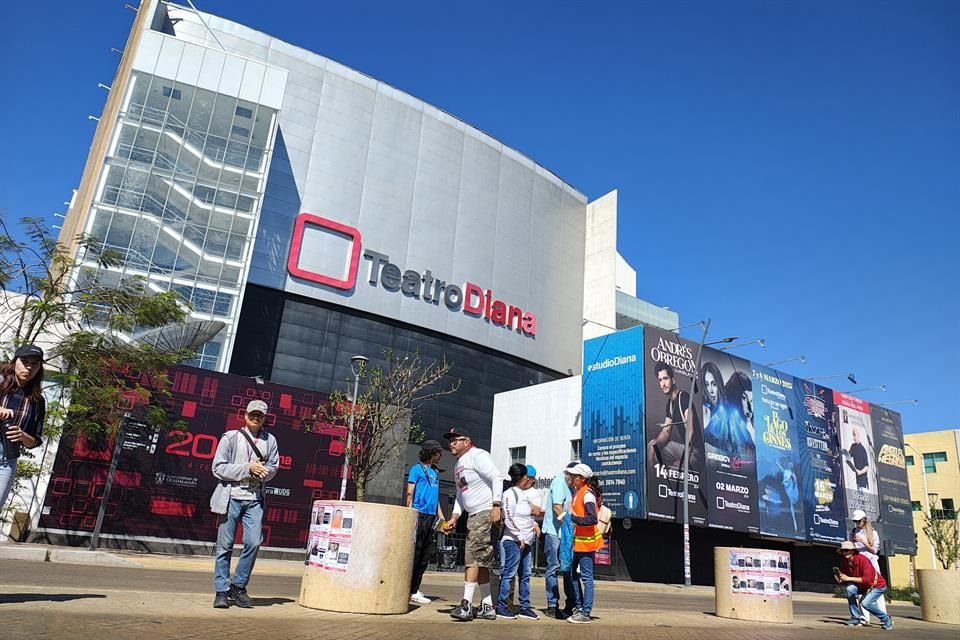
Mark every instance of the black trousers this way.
pixel 421 548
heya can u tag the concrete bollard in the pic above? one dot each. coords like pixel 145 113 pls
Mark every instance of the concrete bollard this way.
pixel 753 584
pixel 359 558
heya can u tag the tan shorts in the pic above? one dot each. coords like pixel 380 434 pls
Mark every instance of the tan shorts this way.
pixel 478 551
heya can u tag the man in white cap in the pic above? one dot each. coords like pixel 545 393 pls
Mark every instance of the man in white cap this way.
pixel 867 541
pixel 584 512
pixel 246 459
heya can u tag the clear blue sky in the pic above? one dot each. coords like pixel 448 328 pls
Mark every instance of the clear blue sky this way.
pixel 789 169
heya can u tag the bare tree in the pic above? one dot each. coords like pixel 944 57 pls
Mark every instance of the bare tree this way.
pixel 941 528
pixel 389 400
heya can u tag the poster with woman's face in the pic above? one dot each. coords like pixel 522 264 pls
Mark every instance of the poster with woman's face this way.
pixel 729 441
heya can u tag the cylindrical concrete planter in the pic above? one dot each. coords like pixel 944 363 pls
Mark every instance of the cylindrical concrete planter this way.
pixel 753 584
pixel 939 593
pixel 359 558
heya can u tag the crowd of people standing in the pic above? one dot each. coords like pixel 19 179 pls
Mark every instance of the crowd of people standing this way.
pixel 509 516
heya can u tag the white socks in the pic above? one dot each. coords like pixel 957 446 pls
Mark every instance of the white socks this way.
pixel 468 589
pixel 485 597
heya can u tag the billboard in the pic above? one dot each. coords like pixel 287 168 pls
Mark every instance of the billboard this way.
pixel 820 460
pixel 729 442
pixel 859 458
pixel 776 412
pixel 669 363
pixel 612 418
pixel 896 513
pixel 162 486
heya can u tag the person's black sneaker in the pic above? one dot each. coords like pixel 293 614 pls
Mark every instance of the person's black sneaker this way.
pixel 553 612
pixel 240 597
pixel 528 614
pixel 462 612
pixel 506 613
pixel 220 600
pixel 486 612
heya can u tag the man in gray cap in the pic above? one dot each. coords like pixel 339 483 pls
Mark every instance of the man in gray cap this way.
pixel 423 494
pixel 246 459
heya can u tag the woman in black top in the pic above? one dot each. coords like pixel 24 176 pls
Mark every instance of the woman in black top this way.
pixel 22 410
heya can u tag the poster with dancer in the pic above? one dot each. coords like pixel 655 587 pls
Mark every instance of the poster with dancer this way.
pixel 778 454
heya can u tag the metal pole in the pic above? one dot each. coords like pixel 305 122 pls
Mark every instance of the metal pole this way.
pixel 95 538
pixel 926 502
pixel 347 454
pixel 686 459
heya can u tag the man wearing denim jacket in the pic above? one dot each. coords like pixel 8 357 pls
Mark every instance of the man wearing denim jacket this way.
pixel 239 498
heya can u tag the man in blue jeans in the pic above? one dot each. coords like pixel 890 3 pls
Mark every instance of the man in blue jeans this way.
pixel 560 501
pixel 856 572
pixel 245 461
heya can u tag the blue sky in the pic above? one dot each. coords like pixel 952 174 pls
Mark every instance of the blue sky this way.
pixel 789 170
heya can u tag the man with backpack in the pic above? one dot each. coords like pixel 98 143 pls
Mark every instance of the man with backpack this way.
pixel 246 459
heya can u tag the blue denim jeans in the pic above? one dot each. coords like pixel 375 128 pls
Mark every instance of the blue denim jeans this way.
pixel 250 513
pixel 551 549
pixel 868 602
pixel 515 562
pixel 8 471
pixel 583 594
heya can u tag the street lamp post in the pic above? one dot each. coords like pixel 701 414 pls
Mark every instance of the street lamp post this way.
pixel 687 437
pixel 890 404
pixel 926 500
pixel 760 341
pixel 356 366
pixel 848 376
pixel 802 359
pixel 879 387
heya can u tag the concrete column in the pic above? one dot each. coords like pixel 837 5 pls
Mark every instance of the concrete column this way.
pixel 762 593
pixel 374 574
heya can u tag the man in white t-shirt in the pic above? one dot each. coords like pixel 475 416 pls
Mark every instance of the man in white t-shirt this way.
pixel 479 490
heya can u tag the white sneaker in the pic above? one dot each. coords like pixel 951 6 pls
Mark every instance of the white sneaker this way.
pixel 419 598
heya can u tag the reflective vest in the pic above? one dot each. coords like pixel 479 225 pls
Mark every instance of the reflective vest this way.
pixel 585 537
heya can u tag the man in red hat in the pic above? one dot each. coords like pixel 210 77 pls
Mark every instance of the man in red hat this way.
pixel 857 572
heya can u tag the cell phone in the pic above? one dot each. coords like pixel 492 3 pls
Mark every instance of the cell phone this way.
pixel 836 572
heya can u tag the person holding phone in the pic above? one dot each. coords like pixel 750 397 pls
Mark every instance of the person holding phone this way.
pixel 22 411
pixel 860 578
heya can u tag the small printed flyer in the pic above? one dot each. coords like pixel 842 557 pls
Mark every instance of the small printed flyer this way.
pixel 760 572
pixel 330 537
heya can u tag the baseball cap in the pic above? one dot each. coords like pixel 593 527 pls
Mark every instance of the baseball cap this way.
pixel 429 446
pixel 581 469
pixel 858 515
pixel 456 432
pixel 531 471
pixel 846 544
pixel 28 351
pixel 257 405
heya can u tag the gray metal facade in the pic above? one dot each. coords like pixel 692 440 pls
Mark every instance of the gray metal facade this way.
pixel 423 188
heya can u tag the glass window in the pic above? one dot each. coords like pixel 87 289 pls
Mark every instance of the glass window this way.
pixel 575 449
pixel 909 461
pixel 170 92
pixel 244 112
pixel 243 132
pixel 930 460
pixel 916 505
pixel 518 455
pixel 947 510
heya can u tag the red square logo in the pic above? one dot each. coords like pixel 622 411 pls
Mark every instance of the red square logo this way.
pixel 298 263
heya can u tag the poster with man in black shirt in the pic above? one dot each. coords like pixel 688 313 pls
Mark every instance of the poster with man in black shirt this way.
pixel 668 376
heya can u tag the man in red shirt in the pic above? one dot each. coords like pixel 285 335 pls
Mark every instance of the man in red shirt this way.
pixel 857 572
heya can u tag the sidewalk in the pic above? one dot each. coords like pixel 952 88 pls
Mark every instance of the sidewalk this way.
pixel 157 597
pixel 289 568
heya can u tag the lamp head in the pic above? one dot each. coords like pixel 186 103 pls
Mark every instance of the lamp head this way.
pixel 357 363
pixel 851 378
pixel 762 343
pixel 803 359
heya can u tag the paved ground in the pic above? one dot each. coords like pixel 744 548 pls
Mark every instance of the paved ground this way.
pixel 161 600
